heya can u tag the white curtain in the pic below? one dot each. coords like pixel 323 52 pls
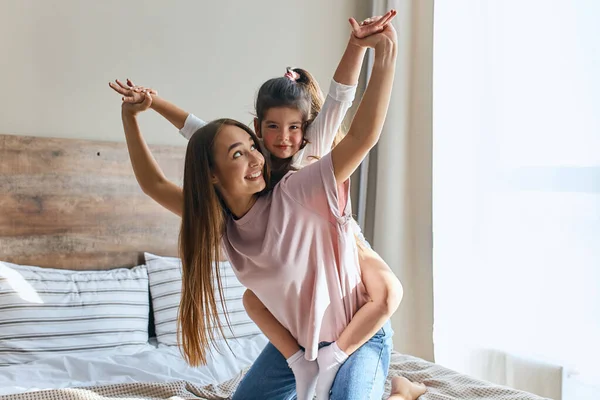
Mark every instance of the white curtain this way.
pixel 398 209
pixel 516 193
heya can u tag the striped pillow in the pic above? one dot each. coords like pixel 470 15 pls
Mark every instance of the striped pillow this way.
pixel 164 274
pixel 44 312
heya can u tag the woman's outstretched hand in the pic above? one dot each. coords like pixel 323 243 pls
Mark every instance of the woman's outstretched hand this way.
pixel 385 34
pixel 372 25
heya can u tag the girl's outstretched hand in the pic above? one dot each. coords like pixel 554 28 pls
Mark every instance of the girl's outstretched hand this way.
pixel 130 92
pixel 134 108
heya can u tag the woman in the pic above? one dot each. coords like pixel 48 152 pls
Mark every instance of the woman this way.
pixel 226 205
pixel 297 126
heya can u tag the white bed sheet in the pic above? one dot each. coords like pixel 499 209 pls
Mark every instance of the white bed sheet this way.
pixel 149 364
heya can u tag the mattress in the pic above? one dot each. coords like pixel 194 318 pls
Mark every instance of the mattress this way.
pixel 150 364
pixel 160 373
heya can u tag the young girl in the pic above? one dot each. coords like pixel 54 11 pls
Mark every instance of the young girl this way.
pixel 280 119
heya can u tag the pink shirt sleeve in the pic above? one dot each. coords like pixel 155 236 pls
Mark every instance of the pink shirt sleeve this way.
pixel 315 187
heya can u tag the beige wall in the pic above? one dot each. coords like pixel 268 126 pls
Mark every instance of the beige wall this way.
pixel 207 56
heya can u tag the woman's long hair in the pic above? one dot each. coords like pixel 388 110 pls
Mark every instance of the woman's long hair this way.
pixel 202 227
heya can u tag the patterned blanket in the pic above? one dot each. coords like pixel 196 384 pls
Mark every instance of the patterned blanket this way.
pixel 442 384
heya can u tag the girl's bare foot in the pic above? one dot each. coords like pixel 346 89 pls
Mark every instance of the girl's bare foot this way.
pixel 403 389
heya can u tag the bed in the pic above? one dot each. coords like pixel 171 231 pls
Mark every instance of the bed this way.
pixel 75 232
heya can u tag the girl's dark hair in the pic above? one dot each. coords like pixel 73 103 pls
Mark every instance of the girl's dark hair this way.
pixel 303 94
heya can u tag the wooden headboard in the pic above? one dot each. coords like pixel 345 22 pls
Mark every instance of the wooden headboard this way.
pixel 75 204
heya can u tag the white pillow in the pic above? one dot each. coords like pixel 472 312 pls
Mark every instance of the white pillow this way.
pixel 164 274
pixel 45 312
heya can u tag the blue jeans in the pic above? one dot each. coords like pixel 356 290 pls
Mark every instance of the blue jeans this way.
pixel 361 377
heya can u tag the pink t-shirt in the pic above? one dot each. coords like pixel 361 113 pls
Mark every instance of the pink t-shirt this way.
pixel 296 250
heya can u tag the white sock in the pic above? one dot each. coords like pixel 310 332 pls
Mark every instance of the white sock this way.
pixel 306 373
pixel 330 359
